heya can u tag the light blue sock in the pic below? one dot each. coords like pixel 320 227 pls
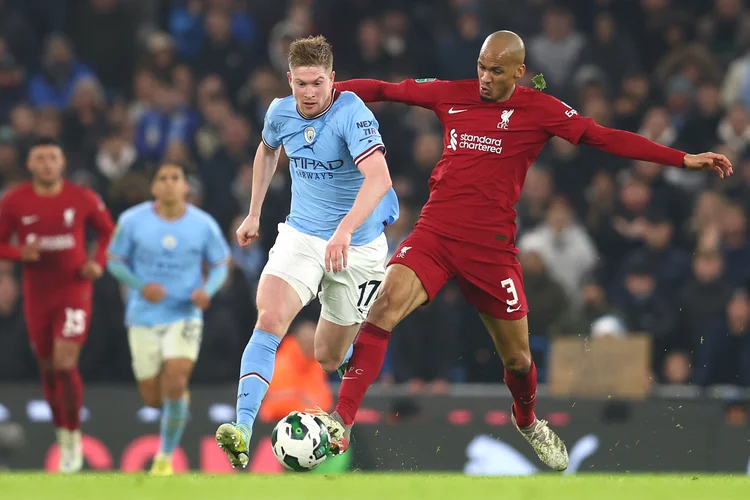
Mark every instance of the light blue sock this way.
pixel 256 371
pixel 174 415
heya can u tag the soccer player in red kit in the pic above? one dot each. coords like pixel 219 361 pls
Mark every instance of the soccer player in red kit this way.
pixel 493 130
pixel 49 216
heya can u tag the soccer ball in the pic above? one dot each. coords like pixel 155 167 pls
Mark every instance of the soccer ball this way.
pixel 300 441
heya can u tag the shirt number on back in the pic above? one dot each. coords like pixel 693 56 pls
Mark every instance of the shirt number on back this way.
pixel 75 322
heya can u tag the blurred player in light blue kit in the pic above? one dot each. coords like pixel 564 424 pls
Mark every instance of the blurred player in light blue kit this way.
pixel 333 238
pixel 159 251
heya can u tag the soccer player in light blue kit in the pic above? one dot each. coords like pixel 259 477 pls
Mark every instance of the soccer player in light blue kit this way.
pixel 159 251
pixel 333 237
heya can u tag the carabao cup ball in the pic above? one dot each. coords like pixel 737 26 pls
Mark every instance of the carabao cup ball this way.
pixel 300 441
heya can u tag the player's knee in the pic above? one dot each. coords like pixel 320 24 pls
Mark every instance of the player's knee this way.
pixel 519 362
pixel 175 385
pixel 328 360
pixel 386 310
pixel 273 321
pixel 152 400
pixel 45 364
pixel 64 362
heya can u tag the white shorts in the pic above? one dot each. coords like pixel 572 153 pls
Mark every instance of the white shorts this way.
pixel 345 297
pixel 151 345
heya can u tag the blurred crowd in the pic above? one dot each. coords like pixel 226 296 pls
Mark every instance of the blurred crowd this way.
pixel 608 246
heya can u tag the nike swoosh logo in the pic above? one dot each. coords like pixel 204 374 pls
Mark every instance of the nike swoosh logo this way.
pixel 512 310
pixel 454 111
pixel 29 219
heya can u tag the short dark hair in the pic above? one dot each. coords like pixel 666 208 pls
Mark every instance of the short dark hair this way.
pixel 169 164
pixel 45 141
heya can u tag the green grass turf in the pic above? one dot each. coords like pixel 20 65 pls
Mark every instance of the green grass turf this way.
pixel 362 486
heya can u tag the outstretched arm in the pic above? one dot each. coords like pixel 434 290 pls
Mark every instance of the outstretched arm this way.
pixel 636 147
pixel 412 92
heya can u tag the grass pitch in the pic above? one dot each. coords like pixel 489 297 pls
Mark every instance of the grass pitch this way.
pixel 365 486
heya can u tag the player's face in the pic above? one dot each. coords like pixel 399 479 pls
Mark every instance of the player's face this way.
pixel 312 87
pixel 170 185
pixel 46 164
pixel 497 74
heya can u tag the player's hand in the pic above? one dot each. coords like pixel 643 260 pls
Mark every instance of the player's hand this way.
pixel 200 299
pixel 337 250
pixel 709 161
pixel 30 251
pixel 91 270
pixel 248 230
pixel 153 292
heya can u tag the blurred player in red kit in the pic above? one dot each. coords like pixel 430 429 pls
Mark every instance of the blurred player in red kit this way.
pixel 493 130
pixel 49 216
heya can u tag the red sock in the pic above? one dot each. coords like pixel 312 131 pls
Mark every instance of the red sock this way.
pixel 70 393
pixel 363 370
pixel 523 389
pixel 49 389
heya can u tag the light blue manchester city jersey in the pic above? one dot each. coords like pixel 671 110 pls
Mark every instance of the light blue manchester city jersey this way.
pixel 323 155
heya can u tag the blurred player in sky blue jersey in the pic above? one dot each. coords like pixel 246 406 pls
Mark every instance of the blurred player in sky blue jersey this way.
pixel 333 238
pixel 159 251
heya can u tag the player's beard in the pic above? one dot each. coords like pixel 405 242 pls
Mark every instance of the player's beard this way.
pixel 47 184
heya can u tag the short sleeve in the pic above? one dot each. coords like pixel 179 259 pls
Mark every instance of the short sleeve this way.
pixel 562 120
pixel 271 133
pixel 361 132
pixel 216 250
pixel 121 246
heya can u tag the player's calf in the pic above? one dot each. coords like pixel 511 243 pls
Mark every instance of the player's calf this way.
pixel 174 415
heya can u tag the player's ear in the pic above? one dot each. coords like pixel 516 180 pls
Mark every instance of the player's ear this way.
pixel 520 71
pixel 333 76
pixel 289 78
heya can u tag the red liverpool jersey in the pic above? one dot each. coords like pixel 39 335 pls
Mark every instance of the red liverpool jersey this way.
pixel 488 148
pixel 59 224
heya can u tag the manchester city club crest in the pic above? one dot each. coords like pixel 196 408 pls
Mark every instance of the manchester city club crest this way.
pixel 169 242
pixel 310 134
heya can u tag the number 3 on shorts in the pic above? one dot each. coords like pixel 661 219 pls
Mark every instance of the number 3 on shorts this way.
pixel 510 287
pixel 75 322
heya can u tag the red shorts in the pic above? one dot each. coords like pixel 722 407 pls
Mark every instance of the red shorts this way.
pixel 490 280
pixel 65 317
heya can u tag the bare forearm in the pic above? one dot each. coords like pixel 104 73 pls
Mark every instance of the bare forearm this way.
pixel 369 196
pixel 264 167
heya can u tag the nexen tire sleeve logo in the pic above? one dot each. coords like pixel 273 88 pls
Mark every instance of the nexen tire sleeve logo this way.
pixel 474 142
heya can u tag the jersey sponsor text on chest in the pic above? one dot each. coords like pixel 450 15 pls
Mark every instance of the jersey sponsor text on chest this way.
pixel 481 143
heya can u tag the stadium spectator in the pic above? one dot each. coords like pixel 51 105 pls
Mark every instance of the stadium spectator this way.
pixel 192 84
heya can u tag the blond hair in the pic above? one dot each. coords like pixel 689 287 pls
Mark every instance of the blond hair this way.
pixel 311 51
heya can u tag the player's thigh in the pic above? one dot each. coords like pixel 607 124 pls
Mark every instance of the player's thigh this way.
pixel 415 274
pixel 146 354
pixel 70 327
pixel 39 328
pixel 496 291
pixel 180 349
pixel 290 279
